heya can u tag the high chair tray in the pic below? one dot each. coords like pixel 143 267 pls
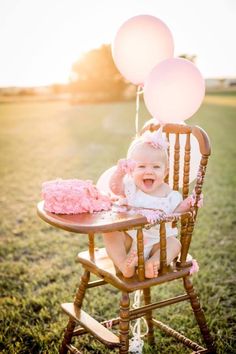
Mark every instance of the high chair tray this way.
pixel 104 221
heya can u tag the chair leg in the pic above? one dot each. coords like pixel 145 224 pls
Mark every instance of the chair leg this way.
pixel 199 314
pixel 124 323
pixel 78 302
pixel 67 336
pixel 147 301
pixel 82 289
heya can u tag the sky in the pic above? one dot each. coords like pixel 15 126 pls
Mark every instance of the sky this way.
pixel 41 39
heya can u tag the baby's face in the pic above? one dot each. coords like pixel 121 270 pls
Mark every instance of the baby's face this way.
pixel 151 168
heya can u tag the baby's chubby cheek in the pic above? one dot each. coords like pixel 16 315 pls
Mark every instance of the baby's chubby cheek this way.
pixel 135 175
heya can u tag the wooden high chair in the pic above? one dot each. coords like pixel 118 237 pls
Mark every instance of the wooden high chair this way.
pixel 96 261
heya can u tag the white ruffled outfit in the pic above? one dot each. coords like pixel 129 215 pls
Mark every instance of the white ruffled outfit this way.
pixel 137 198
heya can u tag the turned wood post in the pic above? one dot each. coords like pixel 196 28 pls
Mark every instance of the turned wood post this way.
pixel 67 336
pixel 188 227
pixel 147 301
pixel 141 271
pixel 176 163
pixel 186 166
pixel 199 314
pixel 82 289
pixel 176 168
pixel 200 180
pixel 91 246
pixel 168 152
pixel 124 323
pixel 78 302
pixel 184 241
pixel 163 261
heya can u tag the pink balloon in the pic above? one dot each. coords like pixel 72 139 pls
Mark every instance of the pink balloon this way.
pixel 140 43
pixel 174 90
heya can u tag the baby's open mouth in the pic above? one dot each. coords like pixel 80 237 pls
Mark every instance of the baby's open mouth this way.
pixel 148 182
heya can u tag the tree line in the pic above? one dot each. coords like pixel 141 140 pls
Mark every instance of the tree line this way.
pixel 95 77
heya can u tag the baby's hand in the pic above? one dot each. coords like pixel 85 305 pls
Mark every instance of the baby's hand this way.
pixel 192 200
pixel 126 166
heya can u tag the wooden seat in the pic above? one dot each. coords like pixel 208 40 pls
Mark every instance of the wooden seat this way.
pixel 103 267
pixel 97 262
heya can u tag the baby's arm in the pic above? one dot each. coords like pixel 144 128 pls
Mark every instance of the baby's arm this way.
pixel 183 207
pixel 116 182
pixel 188 203
pixel 124 166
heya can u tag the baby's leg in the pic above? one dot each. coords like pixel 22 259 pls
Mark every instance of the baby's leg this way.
pixel 117 246
pixel 173 247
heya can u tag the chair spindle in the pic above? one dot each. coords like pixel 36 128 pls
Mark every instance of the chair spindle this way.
pixel 176 163
pixel 140 247
pixel 186 166
pixel 91 246
pixel 163 261
pixel 168 152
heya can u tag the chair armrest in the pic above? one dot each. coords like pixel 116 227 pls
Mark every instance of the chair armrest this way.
pixel 170 218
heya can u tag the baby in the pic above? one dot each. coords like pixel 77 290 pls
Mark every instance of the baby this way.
pixel 140 180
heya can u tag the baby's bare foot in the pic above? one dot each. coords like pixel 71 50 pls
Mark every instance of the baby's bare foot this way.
pixel 128 268
pixel 151 269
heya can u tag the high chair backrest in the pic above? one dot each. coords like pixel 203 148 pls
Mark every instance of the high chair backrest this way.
pixel 181 137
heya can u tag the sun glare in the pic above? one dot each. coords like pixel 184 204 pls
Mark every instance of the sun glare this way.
pixel 40 40
pixel 40 46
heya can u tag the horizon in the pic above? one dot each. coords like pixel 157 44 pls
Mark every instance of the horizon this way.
pixel 40 41
pixel 67 83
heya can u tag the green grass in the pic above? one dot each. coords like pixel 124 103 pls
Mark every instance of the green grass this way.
pixel 43 141
pixel 226 92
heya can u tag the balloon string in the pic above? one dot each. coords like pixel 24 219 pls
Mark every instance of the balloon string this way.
pixel 138 92
pixel 136 329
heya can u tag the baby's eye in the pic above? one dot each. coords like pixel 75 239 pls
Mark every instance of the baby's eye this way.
pixel 141 166
pixel 156 166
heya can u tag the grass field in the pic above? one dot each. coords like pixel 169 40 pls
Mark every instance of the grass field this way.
pixel 43 141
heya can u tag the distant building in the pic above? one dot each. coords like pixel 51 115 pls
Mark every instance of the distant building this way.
pixel 221 83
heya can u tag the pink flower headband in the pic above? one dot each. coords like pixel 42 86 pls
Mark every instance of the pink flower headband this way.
pixel 155 139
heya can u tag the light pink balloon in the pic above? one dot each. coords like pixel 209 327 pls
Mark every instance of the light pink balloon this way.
pixel 140 43
pixel 174 90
